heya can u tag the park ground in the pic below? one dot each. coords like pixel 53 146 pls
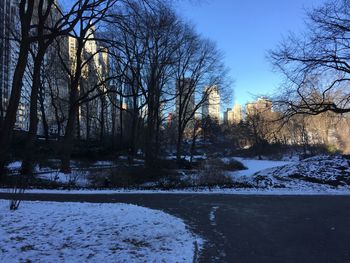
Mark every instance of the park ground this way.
pixel 306 220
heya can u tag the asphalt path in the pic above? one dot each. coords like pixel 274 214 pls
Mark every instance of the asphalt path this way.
pixel 240 228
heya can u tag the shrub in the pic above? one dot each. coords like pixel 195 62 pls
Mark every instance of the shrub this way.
pixel 212 174
pixel 214 177
pixel 232 165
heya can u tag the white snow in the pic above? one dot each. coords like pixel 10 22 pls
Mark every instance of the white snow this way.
pixel 14 165
pixel 319 175
pixel 212 215
pixel 77 178
pixel 104 163
pixel 255 166
pixel 212 190
pixel 84 232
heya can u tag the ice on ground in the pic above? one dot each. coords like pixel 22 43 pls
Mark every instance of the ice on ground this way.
pixel 84 232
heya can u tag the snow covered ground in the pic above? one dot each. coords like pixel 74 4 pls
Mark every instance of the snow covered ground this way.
pixel 255 166
pixel 82 232
pixel 319 175
pixel 322 174
pixel 77 176
pixel 328 171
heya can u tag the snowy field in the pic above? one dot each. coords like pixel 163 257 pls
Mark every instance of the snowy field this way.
pixel 82 232
pixel 255 166
pixel 319 175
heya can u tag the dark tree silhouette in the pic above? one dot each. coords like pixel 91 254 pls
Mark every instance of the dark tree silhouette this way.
pixel 316 65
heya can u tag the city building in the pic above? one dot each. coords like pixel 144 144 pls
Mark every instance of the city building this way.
pixel 262 105
pixel 55 78
pixel 211 106
pixel 234 115
pixel 185 100
pixel 237 113
pixel 9 27
pixel 228 116
pixel 7 13
pixel 94 115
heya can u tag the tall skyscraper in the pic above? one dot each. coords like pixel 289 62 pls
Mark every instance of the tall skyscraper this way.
pixel 260 106
pixel 185 97
pixel 211 106
pixel 237 113
pixel 6 20
pixel 228 116
pixel 234 115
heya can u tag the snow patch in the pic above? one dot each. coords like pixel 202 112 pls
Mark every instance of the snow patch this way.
pixel 212 215
pixel 255 166
pixel 83 232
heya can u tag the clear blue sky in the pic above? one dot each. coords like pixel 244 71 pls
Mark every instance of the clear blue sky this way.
pixel 244 30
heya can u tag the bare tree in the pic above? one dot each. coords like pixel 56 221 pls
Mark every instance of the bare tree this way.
pixel 316 65
pixel 198 64
pixel 49 24
pixel 128 60
pixel 75 66
pixel 260 124
pixel 26 8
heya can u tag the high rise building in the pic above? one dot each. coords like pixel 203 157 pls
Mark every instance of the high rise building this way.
pixel 7 13
pixel 55 78
pixel 233 115
pixel 237 113
pixel 93 114
pixel 185 100
pixel 211 106
pixel 260 106
pixel 228 116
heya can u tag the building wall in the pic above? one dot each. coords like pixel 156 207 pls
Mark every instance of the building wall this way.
pixel 6 20
pixel 211 107
pixel 185 87
pixel 260 106
pixel 237 113
pixel 234 115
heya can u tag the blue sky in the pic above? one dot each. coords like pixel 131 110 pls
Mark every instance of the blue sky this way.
pixel 244 30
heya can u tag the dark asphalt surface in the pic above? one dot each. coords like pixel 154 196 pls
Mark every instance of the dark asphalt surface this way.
pixel 250 228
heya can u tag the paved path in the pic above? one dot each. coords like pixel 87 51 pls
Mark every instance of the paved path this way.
pixel 251 228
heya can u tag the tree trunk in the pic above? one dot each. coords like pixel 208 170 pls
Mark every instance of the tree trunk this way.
pixel 149 151
pixel 43 113
pixel 193 144
pixel 67 143
pixel 87 121
pixel 121 121
pixel 134 134
pixel 77 115
pixel 10 119
pixel 1 108
pixel 27 165
pixel 179 145
pixel 113 123
pixel 102 123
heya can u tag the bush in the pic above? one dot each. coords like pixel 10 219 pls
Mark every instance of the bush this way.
pixel 212 174
pixel 173 164
pixel 127 176
pixel 232 165
pixel 214 177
